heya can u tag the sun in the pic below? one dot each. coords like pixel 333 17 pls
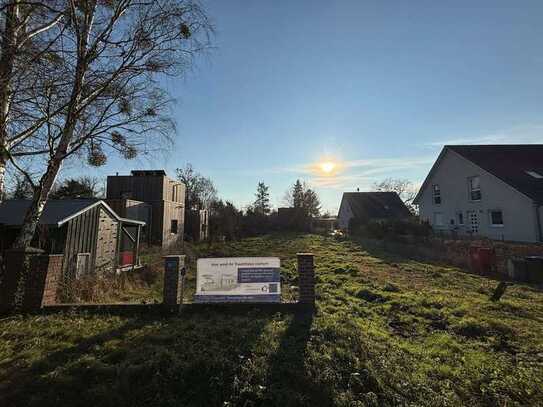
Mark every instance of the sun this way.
pixel 327 167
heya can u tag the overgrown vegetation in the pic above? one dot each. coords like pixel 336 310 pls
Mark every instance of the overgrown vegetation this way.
pixel 387 331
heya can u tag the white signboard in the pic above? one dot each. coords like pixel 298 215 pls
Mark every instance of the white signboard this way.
pixel 238 279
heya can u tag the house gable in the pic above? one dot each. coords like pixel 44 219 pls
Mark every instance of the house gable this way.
pixel 455 211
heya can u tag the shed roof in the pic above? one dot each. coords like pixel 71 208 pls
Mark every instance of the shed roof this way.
pixel 376 205
pixel 55 213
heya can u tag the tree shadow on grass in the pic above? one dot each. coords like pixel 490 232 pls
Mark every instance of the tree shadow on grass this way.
pixel 288 382
pixel 190 360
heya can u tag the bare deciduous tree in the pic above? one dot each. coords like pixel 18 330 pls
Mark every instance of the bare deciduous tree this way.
pixel 100 90
pixel 26 37
pixel 403 187
pixel 200 192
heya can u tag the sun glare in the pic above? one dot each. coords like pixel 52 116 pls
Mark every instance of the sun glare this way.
pixel 327 167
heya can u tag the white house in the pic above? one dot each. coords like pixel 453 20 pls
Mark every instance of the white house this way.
pixel 494 191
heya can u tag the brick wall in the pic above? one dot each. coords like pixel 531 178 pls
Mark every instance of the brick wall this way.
pixel 456 252
pixel 52 280
pixel 306 278
pixel 30 280
pixel 173 282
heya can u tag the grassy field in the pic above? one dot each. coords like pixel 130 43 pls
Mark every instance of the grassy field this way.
pixel 387 331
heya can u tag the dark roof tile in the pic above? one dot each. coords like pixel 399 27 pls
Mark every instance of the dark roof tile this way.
pixel 376 205
pixel 12 212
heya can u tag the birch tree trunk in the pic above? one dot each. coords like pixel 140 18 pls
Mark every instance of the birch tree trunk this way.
pixel 9 47
pixel 41 192
pixel 2 177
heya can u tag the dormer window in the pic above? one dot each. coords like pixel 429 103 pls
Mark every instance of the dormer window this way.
pixel 474 188
pixel 436 193
pixel 534 174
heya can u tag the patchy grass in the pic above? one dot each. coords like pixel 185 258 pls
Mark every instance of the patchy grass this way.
pixel 387 331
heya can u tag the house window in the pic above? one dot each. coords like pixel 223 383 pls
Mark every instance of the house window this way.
pixel 173 228
pixel 460 218
pixel 437 194
pixel 438 219
pixel 474 188
pixel 496 218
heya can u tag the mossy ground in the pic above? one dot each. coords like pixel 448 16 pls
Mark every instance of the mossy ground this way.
pixel 387 331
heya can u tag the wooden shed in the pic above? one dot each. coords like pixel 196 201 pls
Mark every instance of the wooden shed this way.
pixel 90 235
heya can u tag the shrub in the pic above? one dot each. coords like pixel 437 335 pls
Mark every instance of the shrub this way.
pixel 392 229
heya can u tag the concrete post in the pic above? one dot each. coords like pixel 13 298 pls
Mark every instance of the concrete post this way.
pixel 306 273
pixel 174 272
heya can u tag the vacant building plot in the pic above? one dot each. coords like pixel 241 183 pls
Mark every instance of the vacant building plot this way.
pixel 386 331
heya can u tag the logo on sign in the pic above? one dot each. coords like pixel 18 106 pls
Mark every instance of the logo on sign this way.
pixel 238 279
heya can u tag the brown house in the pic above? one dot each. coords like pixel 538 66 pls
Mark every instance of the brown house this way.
pixel 153 197
pixel 88 233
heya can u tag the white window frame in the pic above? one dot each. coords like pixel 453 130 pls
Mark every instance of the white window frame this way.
pixel 490 221
pixel 436 195
pixel 471 190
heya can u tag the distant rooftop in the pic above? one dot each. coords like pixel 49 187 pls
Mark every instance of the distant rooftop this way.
pixel 376 205
pixel 148 173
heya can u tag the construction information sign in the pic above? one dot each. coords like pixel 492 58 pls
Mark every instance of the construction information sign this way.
pixel 238 279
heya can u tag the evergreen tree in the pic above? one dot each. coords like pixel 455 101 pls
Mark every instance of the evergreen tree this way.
pixel 298 194
pixel 311 203
pixel 301 196
pixel 262 203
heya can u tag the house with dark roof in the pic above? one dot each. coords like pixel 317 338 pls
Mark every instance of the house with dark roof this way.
pixel 90 235
pixel 364 207
pixel 494 191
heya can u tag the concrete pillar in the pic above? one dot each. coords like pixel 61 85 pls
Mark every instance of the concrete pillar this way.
pixel 174 272
pixel 306 278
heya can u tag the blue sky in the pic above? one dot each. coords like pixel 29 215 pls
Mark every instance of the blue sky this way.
pixel 378 86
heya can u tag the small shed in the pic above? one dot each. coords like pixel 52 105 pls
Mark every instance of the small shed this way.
pixel 90 235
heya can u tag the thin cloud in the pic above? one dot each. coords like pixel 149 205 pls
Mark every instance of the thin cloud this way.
pixel 525 134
